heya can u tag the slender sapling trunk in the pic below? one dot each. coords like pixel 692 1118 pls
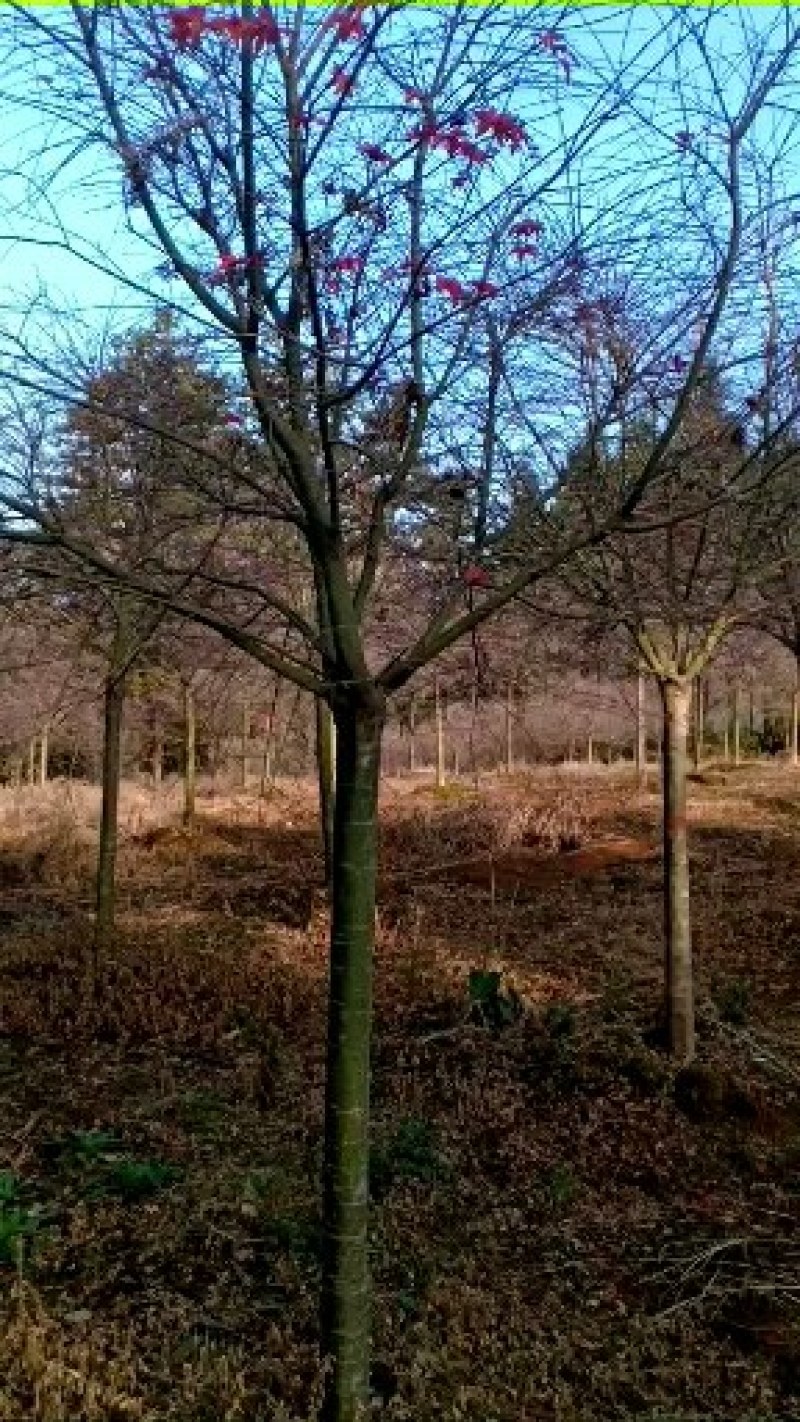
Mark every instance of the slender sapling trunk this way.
pixel 677 920
pixel 105 893
pixel 189 756
pixel 441 770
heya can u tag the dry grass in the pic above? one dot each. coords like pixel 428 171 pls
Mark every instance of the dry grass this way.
pixel 562 1230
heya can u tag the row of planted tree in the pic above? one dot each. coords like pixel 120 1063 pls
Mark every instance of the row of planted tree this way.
pixel 240 732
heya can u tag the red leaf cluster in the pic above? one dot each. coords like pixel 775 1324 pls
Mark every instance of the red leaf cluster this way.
pixel 342 82
pixel 503 128
pixel 452 289
pixel 230 268
pixel 529 227
pixel 451 140
pixel 189 27
pixel 553 42
pixel 347 23
pixel 262 30
pixel 347 263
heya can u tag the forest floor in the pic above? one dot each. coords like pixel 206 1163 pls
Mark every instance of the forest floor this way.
pixel 564 1229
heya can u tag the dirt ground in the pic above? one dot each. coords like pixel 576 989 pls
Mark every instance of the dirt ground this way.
pixel 564 1229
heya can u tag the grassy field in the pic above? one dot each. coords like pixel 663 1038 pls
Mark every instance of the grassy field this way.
pixel 563 1228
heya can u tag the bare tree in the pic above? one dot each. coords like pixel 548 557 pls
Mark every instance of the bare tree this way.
pixel 387 223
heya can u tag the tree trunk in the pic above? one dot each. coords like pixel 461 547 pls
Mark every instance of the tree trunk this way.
pixel 345 1308
pixel 32 761
pixel 698 729
pixel 641 732
pixel 412 736
pixel 245 740
pixel 677 921
pixel 473 732
pixel 737 745
pixel 590 752
pixel 795 744
pixel 326 779
pixel 441 771
pixel 509 729
pixel 158 760
pixel 268 758
pixel 189 756
pixel 105 891
pixel 44 745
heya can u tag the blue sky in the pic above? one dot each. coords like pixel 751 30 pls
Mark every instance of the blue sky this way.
pixel 40 212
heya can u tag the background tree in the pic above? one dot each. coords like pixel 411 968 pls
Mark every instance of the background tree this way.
pixel 678 582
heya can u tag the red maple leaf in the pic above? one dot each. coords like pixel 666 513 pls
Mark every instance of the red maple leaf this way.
pixel 476 577
pixel 348 24
pixel 530 227
pixel 470 151
pixel 347 263
pixel 504 128
pixel 187 27
pixel 230 268
pixel 426 132
pixel 452 289
pixel 552 42
pixel 342 82
pixel 483 290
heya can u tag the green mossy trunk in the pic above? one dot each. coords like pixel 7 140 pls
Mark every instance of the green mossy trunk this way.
pixel 345 1309
pixel 677 920
pixel 326 779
